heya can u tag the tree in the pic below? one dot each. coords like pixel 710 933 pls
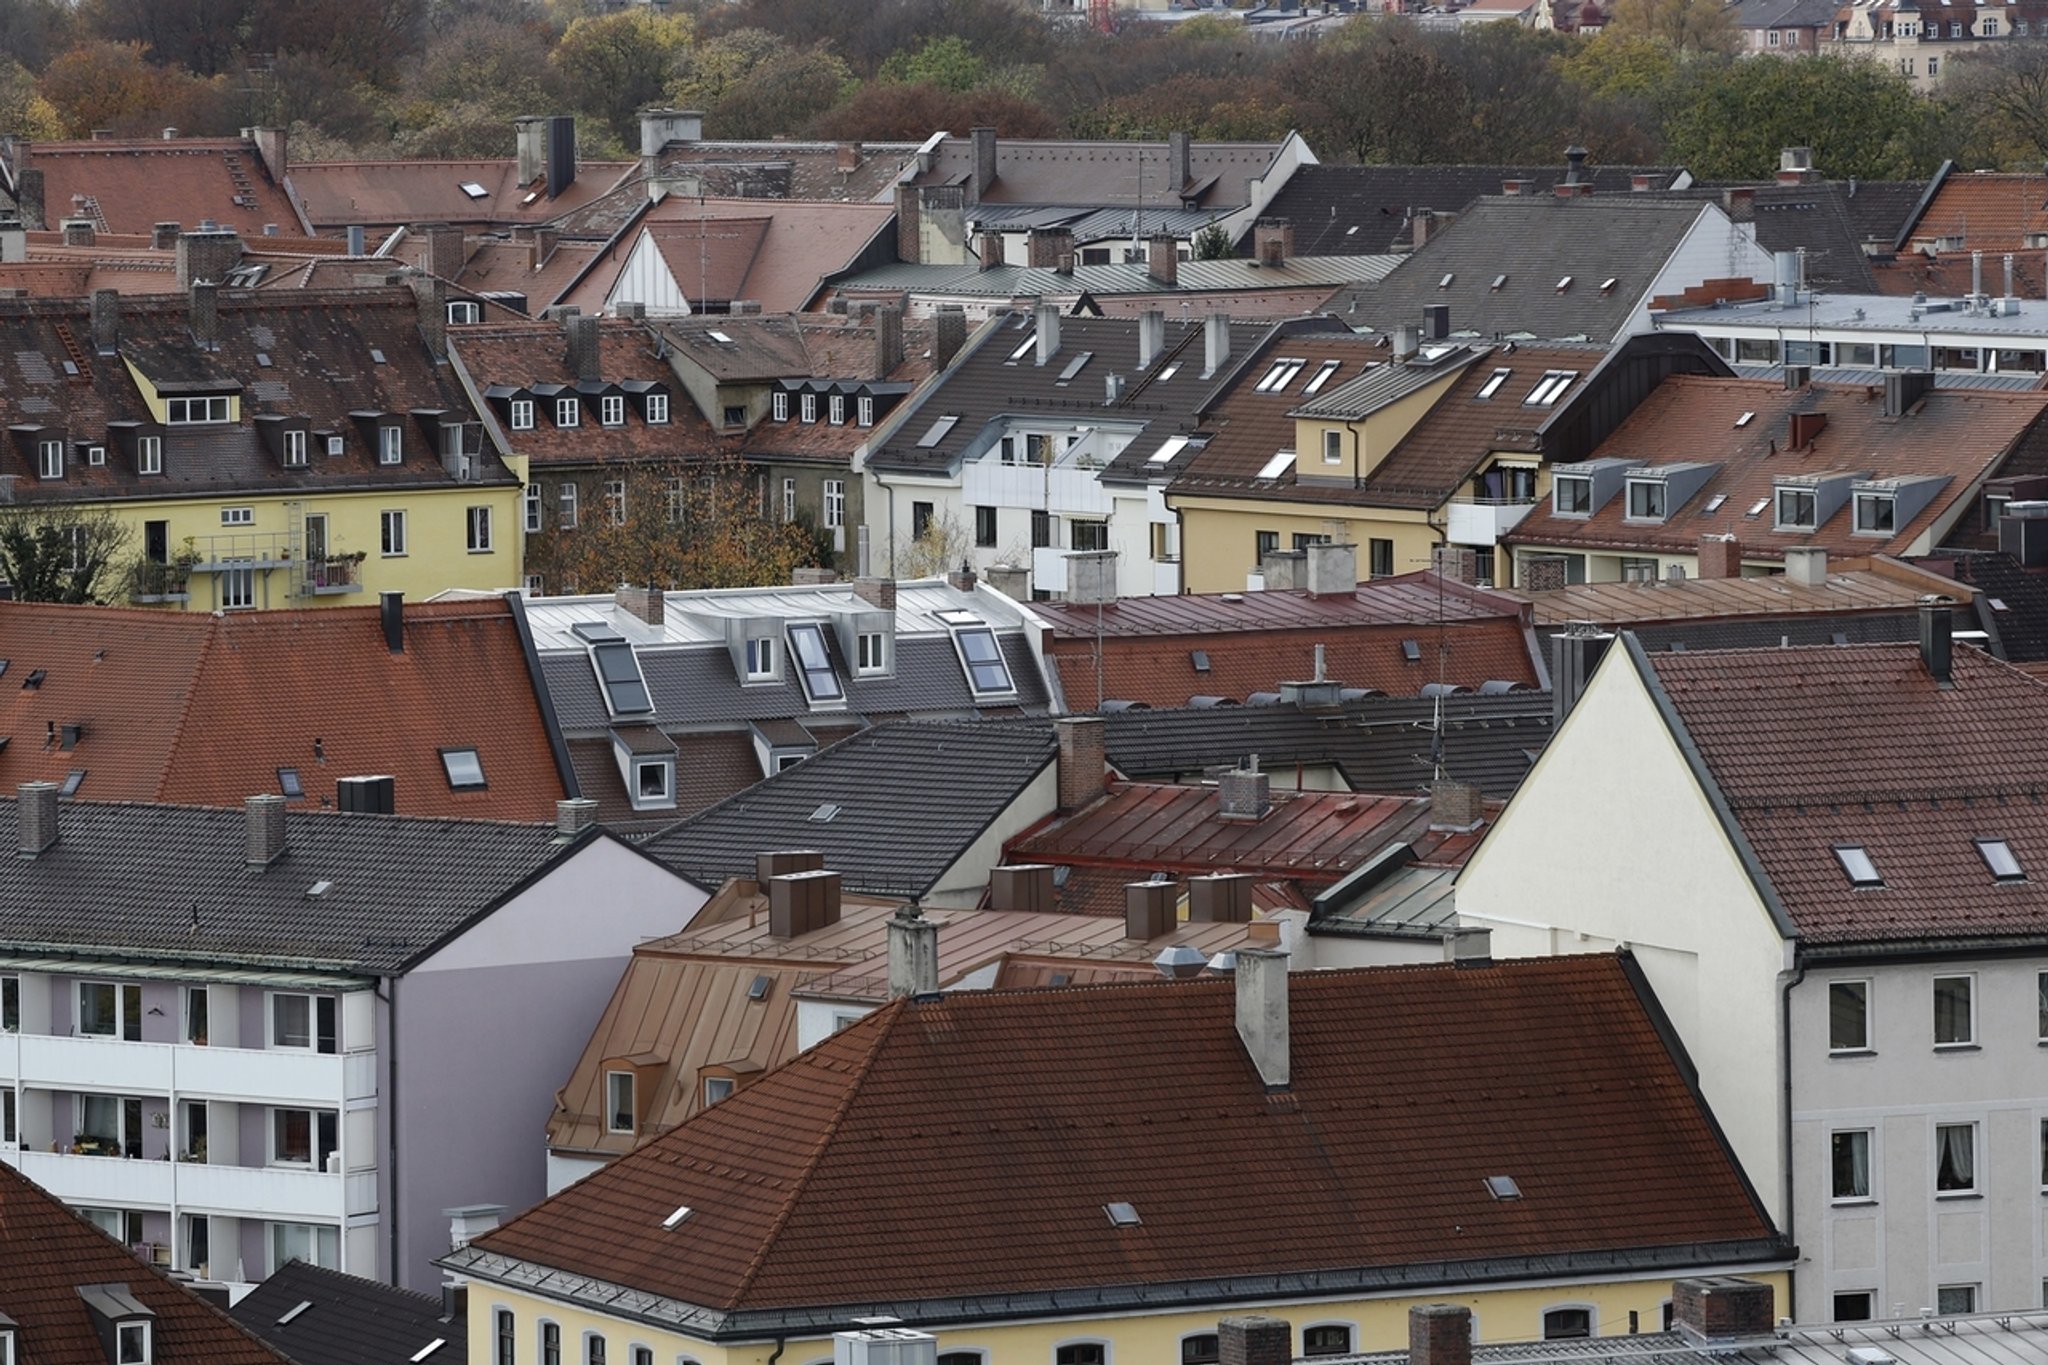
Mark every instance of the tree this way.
pixel 941 547
pixel 62 552
pixel 911 113
pixel 1861 118
pixel 1213 243
pixel 22 110
pixel 753 84
pixel 113 85
pixel 2004 91
pixel 613 65
pixel 1358 89
pixel 33 31
pixel 948 62
pixel 1684 26
pixel 201 36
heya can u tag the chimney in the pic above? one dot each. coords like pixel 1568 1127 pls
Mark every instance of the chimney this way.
pixel 1162 258
pixel 1403 344
pixel 206 315
pixel 1244 793
pixel 78 232
pixel 1332 570
pixel 1468 946
pixel 1151 337
pixel 1575 165
pixel 1439 1334
pixel 1516 188
pixel 106 321
pixel 541 245
pixel 1805 426
pixel 1723 1308
pixel 1151 909
pixel 1720 557
pixel 391 608
pixel 949 334
pixel 848 158
pixel 561 154
pixel 768 866
pixel 430 298
pixel 1215 343
pixel 530 139
pixel 913 953
pixel 1220 898
pixel 272 144
pixel 1904 389
pixel 444 249
pixel 1795 166
pixel 367 795
pixel 1284 570
pixel 1273 241
pixel 1573 657
pixel 991 249
pixel 470 1222
pixel 888 340
pixel 1083 768
pixel 1459 563
pixel 1048 323
pixel 1262 1012
pixel 1045 246
pixel 583 356
pixel 1436 321
pixel 1180 162
pixel 357 245
pixel 263 829
pixel 1937 642
pixel 879 593
pixel 1255 1340
pixel 909 249
pixel 1455 805
pixel 28 198
pixel 961 579
pixel 208 255
pixel 1091 578
pixel 1011 580
pixel 799 902
pixel 644 603
pixel 35 811
pixel 573 815
pixel 1022 886
pixel 984 141
pixel 1806 565
pixel 1740 202
pixel 1641 184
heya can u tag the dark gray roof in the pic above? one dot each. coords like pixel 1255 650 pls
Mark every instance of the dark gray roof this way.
pixel 910 798
pixel 2014 601
pixel 170 882
pixel 695 686
pixel 350 1320
pixel 1785 13
pixel 1366 210
pixel 1816 218
pixel 1816 628
pixel 1381 744
pixel 1535 242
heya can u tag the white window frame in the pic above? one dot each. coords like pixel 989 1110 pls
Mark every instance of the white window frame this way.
pixel 10 1003
pixel 565 506
pixel 312 1043
pixel 132 1343
pixel 149 454
pixel 615 502
pixel 535 508
pixel 462 311
pixel 1969 1038
pixel 568 412
pixel 95 455
pixel 760 657
pixel 807 407
pixel 678 500
pixel 725 1086
pixel 864 411
pixel 237 586
pixel 312 1113
pixel 655 800
pixel 391 533
pixel 78 989
pixel 1867 1046
pixel 1869 1194
pixel 279 1230
pixel 789 499
pixel 522 414
pixel 611 1103
pixel 835 410
pixel 612 410
pixel 871 658
pixel 778 406
pixel 50 459
pixel 835 504
pixel 390 445
pixel 657 409
pixel 194 412
pixel 477 527
pixel 295 449
pixel 1976 1185
pixel 1333 446
pixel 238 516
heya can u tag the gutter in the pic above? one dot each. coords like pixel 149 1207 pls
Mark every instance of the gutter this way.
pixel 516 604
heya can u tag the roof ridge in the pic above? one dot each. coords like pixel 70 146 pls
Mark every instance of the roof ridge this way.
pixel 192 690
pixel 890 1014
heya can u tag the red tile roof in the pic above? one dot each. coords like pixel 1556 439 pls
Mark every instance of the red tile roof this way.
pixel 339 194
pixel 1948 275
pixel 47 1253
pixel 128 185
pixel 1989 212
pixel 1839 745
pixel 1030 1111
pixel 156 693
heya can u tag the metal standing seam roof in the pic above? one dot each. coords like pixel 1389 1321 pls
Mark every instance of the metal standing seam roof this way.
pixel 1861 583
pixel 2003 1338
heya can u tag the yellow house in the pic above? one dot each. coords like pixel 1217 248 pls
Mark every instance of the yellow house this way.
pixel 252 449
pixel 1096 1176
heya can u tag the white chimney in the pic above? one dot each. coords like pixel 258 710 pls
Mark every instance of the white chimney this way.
pixel 1152 336
pixel 471 1221
pixel 1215 343
pixel 1048 332
pixel 913 953
pixel 1807 566
pixel 1262 1012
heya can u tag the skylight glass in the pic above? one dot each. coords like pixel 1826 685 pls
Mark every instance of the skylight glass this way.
pixel 436 1344
pixel 290 1313
pixel 720 337
pixel 72 780
pixel 1550 388
pixel 1122 1214
pixel 807 643
pixel 1608 283
pixel 1998 856
pixel 474 190
pixel 1445 282
pixel 678 1216
pixel 288 783
pixel 987 673
pixel 1499 283
pixel 1023 349
pixel 1855 861
pixel 938 431
pixel 1745 419
pixel 1280 375
pixel 1169 372
pixel 1493 383
pixel 1564 284
pixel 465 770
pixel 1322 376
pixel 1278 465
pixel 825 814
pixel 618 674
pixel 1756 508
pixel 1503 1187
pixel 1171 447
pixel 1075 366
pixel 1714 503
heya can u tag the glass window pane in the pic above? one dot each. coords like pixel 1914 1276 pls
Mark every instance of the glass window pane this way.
pixel 1849 1015
pixel 291 1021
pixel 1851 1162
pixel 1952 1023
pixel 96 1009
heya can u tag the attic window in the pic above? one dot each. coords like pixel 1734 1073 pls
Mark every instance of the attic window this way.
pixel 289 785
pixel 1411 651
pixel 1278 465
pixel 825 814
pixel 682 1212
pixel 1608 284
pixel 807 643
pixel 1499 283
pixel 1445 282
pixel 263 359
pixel 759 988
pixel 1714 504
pixel 1493 383
pixel 1550 388
pixel 1856 863
pixel 1322 376
pixel 465 770
pixel 618 671
pixel 290 1313
pixel 987 673
pixel 1075 366
pixel 1998 856
pixel 34 680
pixel 1200 659
pixel 938 431
pixel 1023 350
pixel 474 190
pixel 436 1344
pixel 319 889
pixel 1745 419
pixel 1122 1214
pixel 721 338
pixel 1997 603
pixel 1171 447
pixel 1169 372
pixel 1564 284
pixel 1503 1187
pixel 377 356
pixel 72 780
pixel 1280 375
pixel 1756 508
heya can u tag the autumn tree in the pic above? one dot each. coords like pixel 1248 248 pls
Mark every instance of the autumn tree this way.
pixel 63 552
pixel 754 84
pixel 1861 118
pixel 114 85
pixel 1358 89
pixel 942 546
pixel 2003 91
pixel 22 110
pixel 613 65
pixel 1687 26
pixel 201 36
pixel 33 31
pixel 911 113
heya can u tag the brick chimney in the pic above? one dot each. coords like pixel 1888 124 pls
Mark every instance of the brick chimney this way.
pixel 1022 886
pixel 961 579
pixel 1047 245
pixel 28 198
pixel 1083 765
pixel 879 593
pixel 1439 1334
pixel 583 355
pixel 1180 161
pixel 799 902
pixel 1455 805
pixel 1516 188
pixel 1720 557
pixel 205 313
pixel 913 953
pixel 1255 1340
pixel 847 157
pixel 573 815
pixel 430 299
pixel 888 340
pixel 1273 241
pixel 644 603
pixel 164 237
pixel 78 232
pixel 208 254
pixel 35 812
pixel 1262 1012
pixel 444 255
pixel 1723 1308
pixel 106 321
pixel 263 829
pixel 991 249
pixel 949 334
pixel 909 248
pixel 1244 793
pixel 1150 909
pixel 1162 258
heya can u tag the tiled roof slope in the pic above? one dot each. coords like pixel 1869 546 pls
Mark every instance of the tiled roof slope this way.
pixel 1534 242
pixel 1814 748
pixel 2016 602
pixel 1987 211
pixel 1864 583
pixel 1030 1111
pixel 339 194
pixel 47 1252
pixel 1815 218
pixel 317 691
pixel 1380 744
pixel 910 797
pixel 1948 275
pixel 350 1320
pixel 171 882
pixel 127 185
pixel 1962 435
pixel 1364 210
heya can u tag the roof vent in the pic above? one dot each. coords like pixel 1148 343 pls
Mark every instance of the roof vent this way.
pixel 682 1211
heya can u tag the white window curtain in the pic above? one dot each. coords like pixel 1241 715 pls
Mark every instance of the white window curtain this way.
pixel 1956 1144
pixel 1852 1165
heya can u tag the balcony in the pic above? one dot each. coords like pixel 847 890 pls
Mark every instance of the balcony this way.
pixel 251 1075
pixel 277 1193
pixel 339 574
pixel 1483 521
pixel 249 550
pixel 150 582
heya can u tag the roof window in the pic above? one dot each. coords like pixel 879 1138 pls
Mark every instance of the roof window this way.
pixel 758 989
pixel 436 1344
pixel 682 1211
pixel 1171 447
pixel 465 770
pixel 938 431
pixel 1280 375
pixel 1856 864
pixel 1608 284
pixel 618 671
pixel 1714 504
pixel 1024 349
pixel 1756 509
pixel 290 1313
pixel 1411 651
pixel 1998 856
pixel 1564 284
pixel 1493 383
pixel 720 337
pixel 474 190
pixel 988 675
pixel 34 679
pixel 1122 1214
pixel 1503 1187
pixel 377 356
pixel 1322 376
pixel 288 784
pixel 1445 282
pixel 72 780
pixel 1500 282
pixel 1745 419
pixel 1550 388
pixel 1074 367
pixel 825 814
pixel 1200 659
pixel 1280 463
pixel 807 643
pixel 1169 372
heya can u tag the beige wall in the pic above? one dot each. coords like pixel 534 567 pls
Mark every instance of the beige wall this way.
pixel 1220 535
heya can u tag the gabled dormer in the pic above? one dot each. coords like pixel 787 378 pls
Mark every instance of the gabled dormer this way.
pixel 126 1326
pixel 1885 507
pixel 514 404
pixel 1584 487
pixel 647 765
pixel 287 440
pixel 604 403
pixel 1806 502
pixel 650 398
pixel 558 405
pixel 1655 492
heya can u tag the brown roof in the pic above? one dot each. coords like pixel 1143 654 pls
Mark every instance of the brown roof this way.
pixel 316 691
pixel 1959 435
pixel 843 351
pixel 1251 426
pixel 1948 275
pixel 127 185
pixel 1030 1111
pixel 340 194
pixel 508 266
pixel 1822 747
pixel 1990 212
pixel 1864 583
pixel 48 1253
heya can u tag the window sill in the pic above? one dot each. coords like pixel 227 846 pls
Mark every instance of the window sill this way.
pixel 1859 1202
pixel 486 550
pixel 394 554
pixel 1846 1052
pixel 1958 1047
pixel 1958 1194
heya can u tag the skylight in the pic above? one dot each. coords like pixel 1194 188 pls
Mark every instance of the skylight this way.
pixel 436 1344
pixel 72 780
pixel 288 783
pixel 1278 465
pixel 1493 383
pixel 474 190
pixel 1855 861
pixel 1500 282
pixel 1998 856
pixel 807 643
pixel 465 770
pixel 987 672
pixel 1503 1187
pixel 301 1306
pixel 1172 446
pixel 1445 282
pixel 1550 388
pixel 825 814
pixel 682 1212
pixel 1411 651
pixel 1280 375
pixel 1122 1214
pixel 1169 372
pixel 377 356
pixel 1200 659
pixel 1075 366
pixel 1997 603
pixel 1745 419
pixel 938 431
pixel 618 671
pixel 1322 376
pixel 1756 508
pixel 1714 503
pixel 759 987
pixel 1608 283
pixel 1564 284
pixel 1022 350
pixel 720 337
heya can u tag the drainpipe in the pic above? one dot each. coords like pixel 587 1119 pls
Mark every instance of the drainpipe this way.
pixel 891 489
pixel 1357 459
pixel 1788 981
pixel 388 992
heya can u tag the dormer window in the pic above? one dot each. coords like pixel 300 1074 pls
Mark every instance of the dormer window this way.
pixel 657 409
pixel 124 1322
pixel 568 412
pixel 132 1344
pixel 874 653
pixel 807 406
pixel 522 414
pixel 835 410
pixel 760 659
pixel 1571 495
pixel 1796 509
pixel 652 784
pixel 864 411
pixel 612 410
pixel 149 454
pixel 1646 499
pixel 186 412
pixel 619 1111
pixel 465 310
pixel 294 450
pixel 390 445
pixel 1876 513
pixel 778 407
pixel 50 459
pixel 813 661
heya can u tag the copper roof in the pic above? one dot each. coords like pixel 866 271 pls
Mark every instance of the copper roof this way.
pixel 339 194
pixel 1858 584
pixel 128 185
pixel 1030 1111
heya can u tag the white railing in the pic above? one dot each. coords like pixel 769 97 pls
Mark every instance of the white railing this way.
pixel 114 1066
pixel 270 1192
pixel 279 1193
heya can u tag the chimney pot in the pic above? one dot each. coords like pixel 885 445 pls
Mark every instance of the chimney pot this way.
pixel 1723 1308
pixel 1083 766
pixel 263 821
pixel 913 953
pixel 36 812
pixel 1244 793
pixel 392 610
pixel 1254 1339
pixel 1262 1012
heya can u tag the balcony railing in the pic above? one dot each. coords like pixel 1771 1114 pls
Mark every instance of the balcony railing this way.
pixel 279 1193
pixel 1483 521
pixel 343 573
pixel 253 1075
pixel 248 550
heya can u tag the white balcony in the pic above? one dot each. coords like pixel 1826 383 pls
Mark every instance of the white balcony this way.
pixel 1065 490
pixel 110 1065
pixel 276 1193
pixel 102 1181
pixel 1483 523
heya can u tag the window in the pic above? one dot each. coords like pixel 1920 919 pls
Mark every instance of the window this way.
pixel 465 770
pixel 522 414
pixel 1849 1016
pixel 1955 30
pixel 1954 1020
pixel 1279 375
pixel 716 1088
pixel 295 450
pixel 1858 866
pixel 131 1343
pixel 835 410
pixel 987 674
pixel 920 519
pixel 149 455
pixel 393 534
pixel 864 411
pixel 568 412
pixel 1561 1324
pixel 302 1021
pixel 507 1352
pixel 835 504
pixel 1550 388
pixel 1876 512
pixel 593 1349
pixel 479 534
pixel 313 1243
pixel 1493 383
pixel 465 310
pixel 123 1225
pixel 1774 37
pixel 237 589
pixel 643 1355
pixel 302 1137
pixel 1850 1161
pixel 678 501
pixel 1955 1158
pixel 789 499
pixel 874 658
pixel 532 504
pixel 760 658
pixel 1953 1299
pixel 1330 1339
pixel 50 460
pixel 1041 528
pixel 95 456
pixel 1796 509
pixel 651 779
pixel 179 412
pixel 550 1344
pixel 196 999
pixel 566 506
pixel 1646 499
pixel 109 1011
pixel 611 410
pixel 807 643
pixel 10 1003
pixel 8 1132
pixel 807 407
pixel 1087 535
pixel 618 1101
pixel 1853 1306
pixel 1333 447
pixel 1380 557
pixel 1998 857
pixel 390 445
pixel 1203 1348
pixel 1572 495
pixel 1304 539
pixel 2041 991
pixel 779 407
pixel 237 516
pixel 1081 1353
pixel 615 502
pixel 1264 543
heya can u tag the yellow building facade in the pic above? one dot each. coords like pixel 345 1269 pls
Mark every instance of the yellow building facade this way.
pixel 1508 1312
